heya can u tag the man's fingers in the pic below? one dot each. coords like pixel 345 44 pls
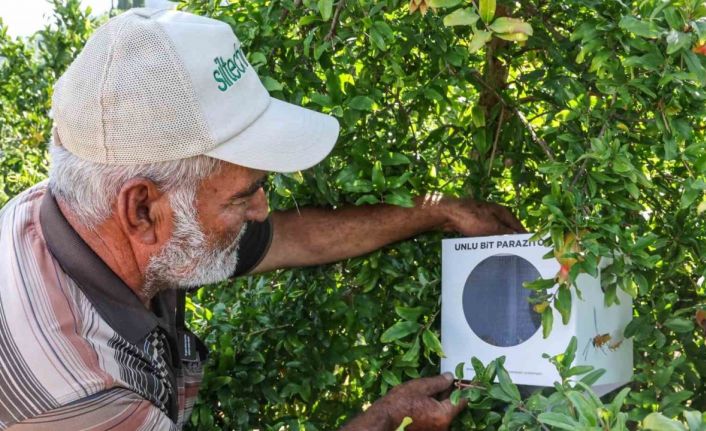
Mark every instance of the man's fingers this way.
pixel 430 386
pixel 503 229
pixel 508 219
pixel 441 396
pixel 454 409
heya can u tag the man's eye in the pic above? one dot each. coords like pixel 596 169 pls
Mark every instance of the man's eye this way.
pixel 262 184
pixel 239 201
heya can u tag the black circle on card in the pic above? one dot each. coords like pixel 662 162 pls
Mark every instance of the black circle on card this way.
pixel 496 305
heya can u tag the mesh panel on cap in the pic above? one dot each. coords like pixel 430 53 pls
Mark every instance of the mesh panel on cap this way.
pixel 76 99
pixel 150 112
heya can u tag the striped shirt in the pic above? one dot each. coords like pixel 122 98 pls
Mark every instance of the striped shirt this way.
pixel 78 350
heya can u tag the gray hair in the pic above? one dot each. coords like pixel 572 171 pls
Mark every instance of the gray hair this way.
pixel 89 188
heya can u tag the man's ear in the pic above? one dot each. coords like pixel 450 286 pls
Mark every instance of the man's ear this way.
pixel 142 210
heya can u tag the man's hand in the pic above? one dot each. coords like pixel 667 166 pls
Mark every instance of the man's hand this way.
pixel 424 400
pixel 473 218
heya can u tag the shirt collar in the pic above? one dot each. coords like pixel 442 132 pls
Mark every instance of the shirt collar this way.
pixel 116 303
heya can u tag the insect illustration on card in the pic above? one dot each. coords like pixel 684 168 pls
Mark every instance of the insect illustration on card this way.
pixel 700 318
pixel 601 341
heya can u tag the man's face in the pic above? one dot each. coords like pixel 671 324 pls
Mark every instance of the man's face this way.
pixel 206 230
pixel 228 199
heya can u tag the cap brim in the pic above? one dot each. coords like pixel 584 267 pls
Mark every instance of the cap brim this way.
pixel 285 138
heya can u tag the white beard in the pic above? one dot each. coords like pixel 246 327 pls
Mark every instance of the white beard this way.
pixel 186 260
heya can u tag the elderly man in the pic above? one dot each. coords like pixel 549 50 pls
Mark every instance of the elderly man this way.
pixel 163 137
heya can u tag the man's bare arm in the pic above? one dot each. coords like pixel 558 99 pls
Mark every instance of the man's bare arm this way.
pixel 317 236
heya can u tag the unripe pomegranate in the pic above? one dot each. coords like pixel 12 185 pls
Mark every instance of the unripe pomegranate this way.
pixel 571 246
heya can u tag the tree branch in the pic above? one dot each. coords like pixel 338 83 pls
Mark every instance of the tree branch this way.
pixel 495 141
pixel 536 138
pixel 334 22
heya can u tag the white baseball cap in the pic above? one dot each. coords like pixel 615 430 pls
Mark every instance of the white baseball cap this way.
pixel 157 85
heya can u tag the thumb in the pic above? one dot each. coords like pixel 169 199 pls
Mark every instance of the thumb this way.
pixel 431 385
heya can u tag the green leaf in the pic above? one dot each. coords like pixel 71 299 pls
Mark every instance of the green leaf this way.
pixel 412 355
pixel 498 393
pixel 464 16
pixel 539 284
pixel 325 9
pixel 675 399
pixel 478 41
pixel 563 304
pixel 377 176
pixel 619 399
pixel 459 371
pixel 405 422
pixel 399 330
pixel 641 28
pixel 695 66
pixel 320 49
pixel 443 3
pixel 431 341
pixel 658 422
pixel 592 377
pixel 578 370
pixel 487 10
pixel 400 198
pixel 392 159
pixel 679 324
pixel 506 383
pixel 586 411
pixel 506 25
pixel 322 100
pixel 547 321
pixel 271 84
pixel 677 40
pixel 410 313
pixel 257 58
pixel 663 375
pixel 361 103
pixel 570 352
pixel 478 114
pixel 513 37
pixel 367 200
pixel 390 378
pixel 378 39
pixel 455 397
pixel 651 61
pixel 559 420
pixel 699 27
pixel 695 420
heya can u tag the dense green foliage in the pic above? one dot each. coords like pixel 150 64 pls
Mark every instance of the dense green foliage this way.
pixel 593 125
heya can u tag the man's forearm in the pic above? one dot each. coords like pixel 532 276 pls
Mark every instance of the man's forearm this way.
pixel 315 236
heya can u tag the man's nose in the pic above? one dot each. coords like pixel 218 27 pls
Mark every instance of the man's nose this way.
pixel 259 208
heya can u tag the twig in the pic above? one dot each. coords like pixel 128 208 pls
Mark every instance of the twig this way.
pixel 460 384
pixel 495 141
pixel 537 140
pixel 688 168
pixel 408 119
pixel 584 165
pixel 285 14
pixel 260 331
pixel 334 22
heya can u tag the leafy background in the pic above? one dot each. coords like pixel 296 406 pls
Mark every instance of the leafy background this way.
pixel 593 125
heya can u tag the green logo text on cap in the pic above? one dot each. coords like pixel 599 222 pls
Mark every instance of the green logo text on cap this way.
pixel 228 72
